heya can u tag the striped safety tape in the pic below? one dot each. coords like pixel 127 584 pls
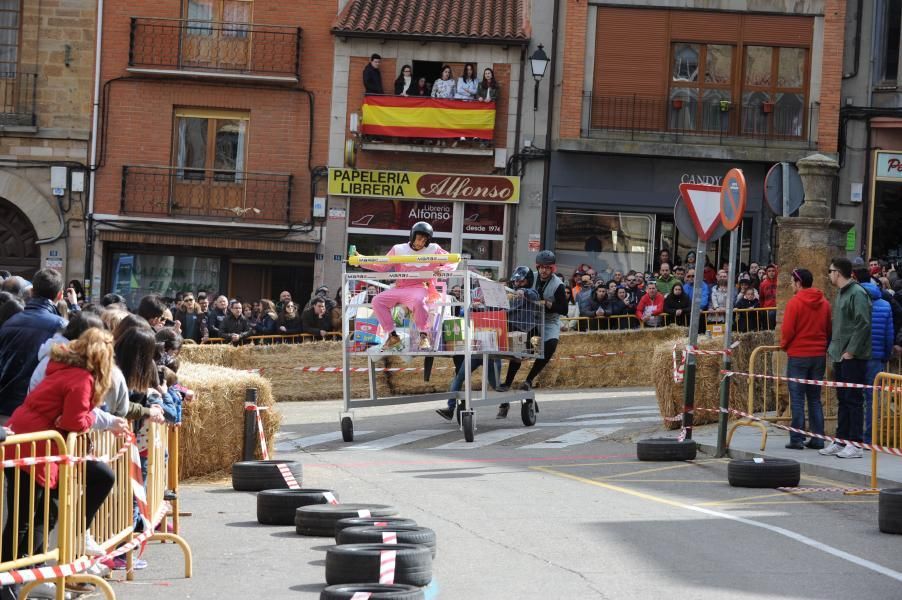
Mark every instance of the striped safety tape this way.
pixel 68 459
pixel 330 497
pixel 387 560
pixel 261 434
pixel 830 384
pixel 389 537
pixel 290 481
pixel 812 490
pixel 363 513
pixel 361 596
pixel 138 489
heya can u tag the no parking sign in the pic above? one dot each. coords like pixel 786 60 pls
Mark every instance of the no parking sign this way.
pixel 733 196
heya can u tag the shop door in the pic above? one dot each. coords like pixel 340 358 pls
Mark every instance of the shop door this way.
pixel 248 282
pixel 18 252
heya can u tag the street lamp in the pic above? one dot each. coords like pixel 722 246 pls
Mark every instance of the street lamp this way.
pixel 538 62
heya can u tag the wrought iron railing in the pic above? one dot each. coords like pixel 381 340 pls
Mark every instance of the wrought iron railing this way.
pixel 17 94
pixel 238 196
pixel 730 122
pixel 216 47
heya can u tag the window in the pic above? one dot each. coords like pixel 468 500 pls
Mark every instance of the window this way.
pixel 206 142
pixel 10 13
pixel 701 78
pixel 773 91
pixel 217 34
pixel 892 20
pixel 136 275
pixel 607 241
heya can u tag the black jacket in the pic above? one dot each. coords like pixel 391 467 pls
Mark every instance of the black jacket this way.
pixel 232 325
pixel 372 80
pixel 215 318
pixel 313 324
pixel 673 303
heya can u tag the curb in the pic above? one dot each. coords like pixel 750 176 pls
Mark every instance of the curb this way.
pixel 841 475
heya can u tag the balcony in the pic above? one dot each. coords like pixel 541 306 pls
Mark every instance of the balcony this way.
pixel 698 129
pixel 17 94
pixel 206 194
pixel 217 50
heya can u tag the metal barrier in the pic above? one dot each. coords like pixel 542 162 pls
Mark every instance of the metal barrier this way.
pixel 172 495
pixel 611 323
pixel 30 507
pixel 286 338
pixel 886 416
pixel 158 477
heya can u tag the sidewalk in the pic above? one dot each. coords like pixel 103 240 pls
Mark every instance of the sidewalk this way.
pixel 746 443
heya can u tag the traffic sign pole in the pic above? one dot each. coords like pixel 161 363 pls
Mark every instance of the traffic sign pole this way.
pixel 727 342
pixel 694 315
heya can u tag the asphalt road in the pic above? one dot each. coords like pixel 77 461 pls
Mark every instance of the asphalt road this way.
pixel 559 511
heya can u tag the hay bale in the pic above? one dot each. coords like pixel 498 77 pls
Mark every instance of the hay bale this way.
pixel 212 430
pixel 707 381
pixel 219 355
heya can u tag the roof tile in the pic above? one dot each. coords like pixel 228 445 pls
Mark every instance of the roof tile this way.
pixel 480 20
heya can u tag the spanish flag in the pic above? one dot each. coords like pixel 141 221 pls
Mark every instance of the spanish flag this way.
pixel 418 117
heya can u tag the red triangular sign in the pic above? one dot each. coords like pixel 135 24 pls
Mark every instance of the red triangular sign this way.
pixel 703 202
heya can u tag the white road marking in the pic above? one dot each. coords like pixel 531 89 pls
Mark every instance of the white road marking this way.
pixel 573 438
pixel 483 439
pixel 599 422
pixel 619 413
pixel 640 408
pixel 289 444
pixel 398 440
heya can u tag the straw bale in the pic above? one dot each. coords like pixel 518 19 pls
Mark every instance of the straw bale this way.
pixel 212 431
pixel 707 381
pixel 208 354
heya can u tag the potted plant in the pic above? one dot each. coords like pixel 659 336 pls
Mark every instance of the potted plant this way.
pixel 677 103
pixel 767 106
pixel 724 105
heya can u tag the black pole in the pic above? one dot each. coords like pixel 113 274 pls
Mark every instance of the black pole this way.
pixel 250 421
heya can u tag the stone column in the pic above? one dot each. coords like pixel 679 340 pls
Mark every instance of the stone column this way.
pixel 812 239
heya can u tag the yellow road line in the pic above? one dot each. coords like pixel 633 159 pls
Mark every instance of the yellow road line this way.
pixel 799 500
pixel 665 480
pixel 735 500
pixel 649 470
pixel 635 462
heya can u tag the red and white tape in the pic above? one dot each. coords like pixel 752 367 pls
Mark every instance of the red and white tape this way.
pixel 330 497
pixel 389 537
pixel 387 560
pixel 290 481
pixel 82 564
pixel 813 490
pixel 830 384
pixel 261 434
pixel 361 596
pixel 364 513
pixel 138 489
pixel 679 369
pixel 68 459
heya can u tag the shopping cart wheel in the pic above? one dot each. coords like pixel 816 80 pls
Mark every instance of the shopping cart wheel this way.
pixel 347 429
pixel 466 421
pixel 528 413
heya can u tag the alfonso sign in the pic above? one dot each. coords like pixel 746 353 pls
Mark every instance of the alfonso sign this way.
pixel 412 185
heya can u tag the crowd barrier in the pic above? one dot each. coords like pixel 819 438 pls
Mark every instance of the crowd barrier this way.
pixel 744 320
pixel 114 524
pixel 268 340
pixel 886 416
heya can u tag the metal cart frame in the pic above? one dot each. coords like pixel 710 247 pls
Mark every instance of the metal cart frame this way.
pixel 465 397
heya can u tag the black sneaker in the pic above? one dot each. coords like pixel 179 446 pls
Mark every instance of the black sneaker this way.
pixel 503 388
pixel 795 446
pixel 502 411
pixel 526 387
pixel 815 444
pixel 445 413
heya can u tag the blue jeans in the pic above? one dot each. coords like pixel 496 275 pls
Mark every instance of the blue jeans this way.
pixel 812 367
pixel 475 363
pixel 875 365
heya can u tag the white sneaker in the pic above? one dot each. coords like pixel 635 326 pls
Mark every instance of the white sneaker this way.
pixel 100 569
pixel 45 590
pixel 850 451
pixel 92 548
pixel 832 449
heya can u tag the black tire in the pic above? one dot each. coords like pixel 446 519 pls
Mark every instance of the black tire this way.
pixel 377 591
pixel 665 449
pixel 360 563
pixel 347 429
pixel 319 519
pixel 372 522
pixel 767 473
pixel 466 421
pixel 258 475
pixel 889 511
pixel 528 413
pixel 277 507
pixel 374 535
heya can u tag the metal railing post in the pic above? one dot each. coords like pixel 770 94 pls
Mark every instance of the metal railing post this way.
pixel 122 191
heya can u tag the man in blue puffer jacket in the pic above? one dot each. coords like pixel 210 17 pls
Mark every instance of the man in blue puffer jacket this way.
pixel 881 347
pixel 22 336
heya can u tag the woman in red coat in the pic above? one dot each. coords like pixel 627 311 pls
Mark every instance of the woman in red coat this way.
pixel 78 376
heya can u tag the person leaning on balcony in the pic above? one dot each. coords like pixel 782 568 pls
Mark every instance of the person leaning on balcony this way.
pixel 467 84
pixel 422 88
pixel 404 85
pixel 372 78
pixel 488 89
pixel 444 86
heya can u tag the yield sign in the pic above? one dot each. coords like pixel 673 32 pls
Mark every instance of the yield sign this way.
pixel 703 202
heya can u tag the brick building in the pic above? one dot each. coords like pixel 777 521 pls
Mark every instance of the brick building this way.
pixel 46 60
pixel 214 126
pixel 427 35
pixel 706 87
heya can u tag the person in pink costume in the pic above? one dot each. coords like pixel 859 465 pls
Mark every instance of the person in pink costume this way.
pixel 415 294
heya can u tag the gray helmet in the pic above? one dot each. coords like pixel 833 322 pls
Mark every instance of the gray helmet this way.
pixel 546 257
pixel 522 273
pixel 421 227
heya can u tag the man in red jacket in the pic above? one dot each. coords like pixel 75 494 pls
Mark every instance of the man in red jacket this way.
pixel 804 336
pixel 651 306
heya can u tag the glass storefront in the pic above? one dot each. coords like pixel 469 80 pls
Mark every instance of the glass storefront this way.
pixel 608 242
pixel 136 275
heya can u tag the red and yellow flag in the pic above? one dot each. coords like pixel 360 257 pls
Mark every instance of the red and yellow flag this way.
pixel 418 117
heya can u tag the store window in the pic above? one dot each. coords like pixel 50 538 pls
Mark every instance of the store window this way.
pixel 607 241
pixel 10 13
pixel 133 276
pixel 701 78
pixel 889 51
pixel 773 91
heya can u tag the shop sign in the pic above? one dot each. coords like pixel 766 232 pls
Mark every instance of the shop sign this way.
pixel 889 165
pixel 398 215
pixel 53 262
pixel 484 218
pixel 413 185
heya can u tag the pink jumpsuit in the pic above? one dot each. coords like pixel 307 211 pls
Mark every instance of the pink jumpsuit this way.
pixel 411 293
